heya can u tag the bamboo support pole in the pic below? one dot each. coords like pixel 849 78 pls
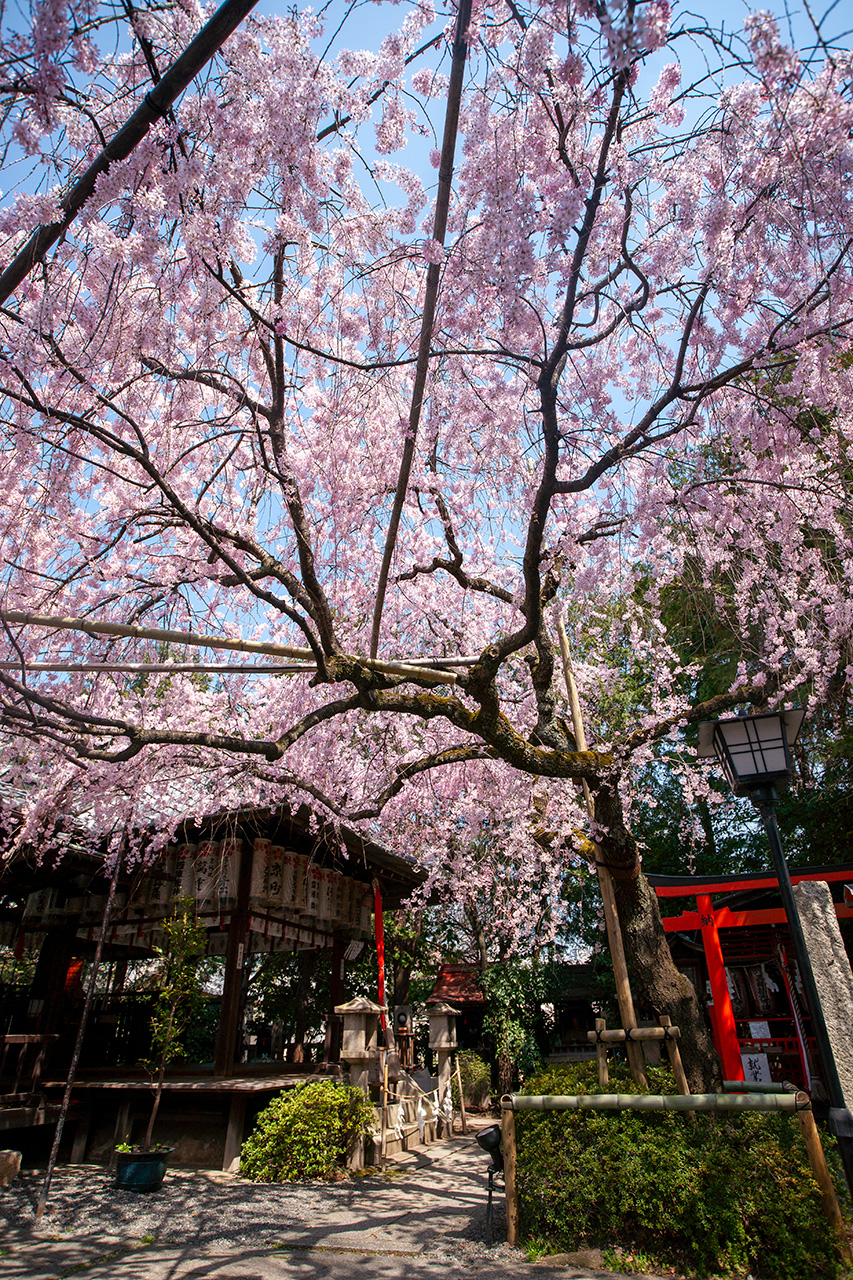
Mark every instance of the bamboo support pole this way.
pixel 823 1178
pixel 605 880
pixel 383 1133
pixel 462 1113
pixel 754 1086
pixel 788 1102
pixel 153 106
pixel 600 1051
pixel 165 668
pixel 619 1036
pixel 671 1042
pixel 81 1032
pixel 798 1104
pixel 434 674
pixel 510 1163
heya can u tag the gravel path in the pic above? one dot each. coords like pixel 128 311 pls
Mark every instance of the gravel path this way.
pixel 417 1222
pixel 436 1210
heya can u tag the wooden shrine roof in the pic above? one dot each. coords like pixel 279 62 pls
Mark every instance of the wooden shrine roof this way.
pixel 457 984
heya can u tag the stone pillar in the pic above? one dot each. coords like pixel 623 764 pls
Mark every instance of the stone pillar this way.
pixel 360 1047
pixel 442 1041
pixel 832 973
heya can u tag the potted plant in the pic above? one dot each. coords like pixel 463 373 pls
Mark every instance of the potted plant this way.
pixel 142 1168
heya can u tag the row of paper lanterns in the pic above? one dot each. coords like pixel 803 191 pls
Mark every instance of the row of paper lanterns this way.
pixel 283 882
pixel 263 938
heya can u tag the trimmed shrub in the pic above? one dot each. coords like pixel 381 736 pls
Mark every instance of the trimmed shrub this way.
pixel 305 1133
pixel 707 1194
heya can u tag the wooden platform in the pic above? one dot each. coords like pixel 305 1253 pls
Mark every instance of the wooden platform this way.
pixel 130 1087
pixel 193 1084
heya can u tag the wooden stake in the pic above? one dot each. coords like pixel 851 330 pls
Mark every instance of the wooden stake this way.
pixel 461 1098
pixel 605 881
pixel 510 1159
pixel 823 1178
pixel 601 1054
pixel 675 1057
pixel 383 1133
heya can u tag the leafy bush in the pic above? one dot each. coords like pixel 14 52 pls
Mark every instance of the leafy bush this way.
pixel 709 1193
pixel 514 990
pixel 305 1133
pixel 476 1076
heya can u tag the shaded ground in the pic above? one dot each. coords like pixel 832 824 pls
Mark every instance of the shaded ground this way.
pixel 422 1220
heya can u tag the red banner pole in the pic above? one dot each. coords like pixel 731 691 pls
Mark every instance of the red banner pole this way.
pixel 728 1046
pixel 380 944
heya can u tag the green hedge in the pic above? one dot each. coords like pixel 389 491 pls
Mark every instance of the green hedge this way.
pixel 305 1133
pixel 706 1193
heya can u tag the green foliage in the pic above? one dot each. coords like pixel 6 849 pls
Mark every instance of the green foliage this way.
pixel 475 1075
pixel 514 990
pixel 709 1194
pixel 284 989
pixel 200 1036
pixel 180 997
pixel 305 1133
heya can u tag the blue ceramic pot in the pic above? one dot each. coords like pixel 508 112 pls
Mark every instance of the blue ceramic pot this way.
pixel 141 1170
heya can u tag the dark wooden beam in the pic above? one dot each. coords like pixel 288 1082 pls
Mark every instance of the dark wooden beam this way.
pixel 236 956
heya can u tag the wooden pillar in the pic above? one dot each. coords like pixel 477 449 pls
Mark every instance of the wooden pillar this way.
pixel 728 1046
pixel 509 1154
pixel 823 1178
pixel 334 1025
pixel 336 984
pixel 234 1133
pixel 48 983
pixel 119 974
pixel 236 954
pixel 675 1057
pixel 124 1124
pixel 81 1137
pixel 461 1095
pixel 306 962
pixel 601 1054
pixel 605 883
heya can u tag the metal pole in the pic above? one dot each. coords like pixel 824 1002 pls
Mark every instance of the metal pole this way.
pixel 764 799
pixel 81 1031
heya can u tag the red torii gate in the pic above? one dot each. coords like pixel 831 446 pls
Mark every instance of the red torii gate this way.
pixel 708 919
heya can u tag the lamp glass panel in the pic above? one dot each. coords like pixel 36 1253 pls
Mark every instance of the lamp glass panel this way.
pixel 753 748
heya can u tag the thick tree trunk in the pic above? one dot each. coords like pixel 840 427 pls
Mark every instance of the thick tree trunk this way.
pixel 505 1074
pixel 656 983
pixel 403 958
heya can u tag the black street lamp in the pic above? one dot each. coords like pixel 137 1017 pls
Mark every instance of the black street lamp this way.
pixel 755 754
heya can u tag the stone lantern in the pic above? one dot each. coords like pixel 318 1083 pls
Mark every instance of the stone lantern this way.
pixel 360 1032
pixel 442 1041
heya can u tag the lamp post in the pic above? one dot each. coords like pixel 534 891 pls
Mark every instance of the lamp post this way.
pixel 756 758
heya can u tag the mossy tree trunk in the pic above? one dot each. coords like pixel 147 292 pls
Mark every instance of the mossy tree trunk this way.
pixel 656 983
